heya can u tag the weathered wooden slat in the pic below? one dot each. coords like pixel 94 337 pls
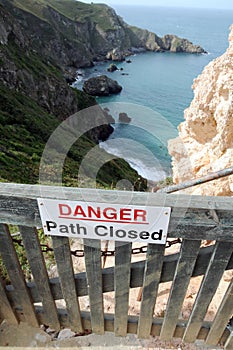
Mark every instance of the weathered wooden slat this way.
pixel 152 274
pixel 192 218
pixel 184 223
pixel 218 262
pixel 15 273
pixel 137 273
pixel 175 200
pixel 19 211
pixel 229 342
pixel 39 272
pixel 222 317
pixel 92 251
pixel 122 281
pixel 66 275
pixel 6 310
pixel 198 231
pixel 188 255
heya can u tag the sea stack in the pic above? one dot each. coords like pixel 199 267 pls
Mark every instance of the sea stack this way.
pixel 205 142
pixel 101 86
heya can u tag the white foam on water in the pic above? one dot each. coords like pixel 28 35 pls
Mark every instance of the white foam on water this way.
pixel 143 162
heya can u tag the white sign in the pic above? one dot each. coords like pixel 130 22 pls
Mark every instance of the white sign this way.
pixel 126 223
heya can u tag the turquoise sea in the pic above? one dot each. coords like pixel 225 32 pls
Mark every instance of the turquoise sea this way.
pixel 161 81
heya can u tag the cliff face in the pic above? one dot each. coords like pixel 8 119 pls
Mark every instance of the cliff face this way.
pixel 35 98
pixel 76 34
pixel 205 142
pixel 23 69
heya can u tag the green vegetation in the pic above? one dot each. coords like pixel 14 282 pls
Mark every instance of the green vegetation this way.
pixel 25 128
pixel 74 10
pixel 35 7
pixel 167 182
pixel 30 61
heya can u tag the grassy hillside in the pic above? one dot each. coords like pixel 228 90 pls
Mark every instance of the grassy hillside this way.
pixel 74 10
pixel 25 128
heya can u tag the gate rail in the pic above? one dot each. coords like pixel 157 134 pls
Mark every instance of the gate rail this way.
pixel 193 219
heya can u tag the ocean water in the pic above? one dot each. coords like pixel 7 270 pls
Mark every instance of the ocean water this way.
pixel 159 84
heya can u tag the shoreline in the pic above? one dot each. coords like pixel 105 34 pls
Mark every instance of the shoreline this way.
pixel 142 172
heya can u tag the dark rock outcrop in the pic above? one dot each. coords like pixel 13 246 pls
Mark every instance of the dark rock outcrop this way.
pixel 124 118
pixel 101 86
pixel 175 44
pixel 116 55
pixel 23 70
pixel 142 39
pixel 112 68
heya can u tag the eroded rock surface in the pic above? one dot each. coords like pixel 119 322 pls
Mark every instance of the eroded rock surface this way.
pixel 205 142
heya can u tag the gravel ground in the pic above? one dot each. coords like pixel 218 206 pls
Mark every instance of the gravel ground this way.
pixel 26 337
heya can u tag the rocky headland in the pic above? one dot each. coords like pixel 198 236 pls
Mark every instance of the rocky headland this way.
pixel 205 142
pixel 77 34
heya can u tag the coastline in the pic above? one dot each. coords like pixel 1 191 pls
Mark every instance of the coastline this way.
pixel 151 79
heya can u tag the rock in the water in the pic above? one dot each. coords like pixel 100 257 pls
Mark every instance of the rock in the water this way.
pixel 112 68
pixel 205 142
pixel 124 118
pixel 101 86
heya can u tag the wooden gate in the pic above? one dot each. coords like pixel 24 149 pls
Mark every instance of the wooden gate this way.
pixel 193 219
